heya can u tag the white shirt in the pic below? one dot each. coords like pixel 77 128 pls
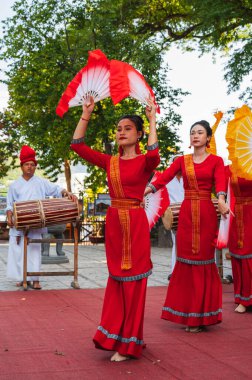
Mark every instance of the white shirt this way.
pixel 175 190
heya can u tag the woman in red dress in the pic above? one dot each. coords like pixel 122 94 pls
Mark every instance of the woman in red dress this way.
pixel 127 231
pixel 194 295
pixel 240 240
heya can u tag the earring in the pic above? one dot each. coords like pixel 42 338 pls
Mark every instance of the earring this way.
pixel 208 145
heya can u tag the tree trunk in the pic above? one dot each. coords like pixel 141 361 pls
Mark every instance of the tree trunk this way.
pixel 108 147
pixel 68 174
pixel 164 238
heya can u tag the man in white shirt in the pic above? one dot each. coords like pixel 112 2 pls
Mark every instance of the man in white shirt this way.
pixel 27 187
pixel 175 190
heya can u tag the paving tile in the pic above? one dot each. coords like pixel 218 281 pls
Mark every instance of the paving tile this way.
pixel 92 268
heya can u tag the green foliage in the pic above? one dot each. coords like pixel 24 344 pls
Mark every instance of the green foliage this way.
pixel 46 44
pixel 9 137
pixel 202 25
pixel 209 23
pixel 239 67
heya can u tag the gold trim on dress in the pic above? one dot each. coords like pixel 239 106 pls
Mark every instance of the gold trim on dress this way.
pixel 125 203
pixel 240 201
pixel 195 202
pixel 115 177
pixel 123 212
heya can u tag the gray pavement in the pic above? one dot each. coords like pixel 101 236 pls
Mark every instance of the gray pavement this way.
pixel 92 268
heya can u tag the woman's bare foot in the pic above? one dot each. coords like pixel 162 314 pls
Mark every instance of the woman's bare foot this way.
pixel 194 329
pixel 119 358
pixel 36 285
pixel 240 309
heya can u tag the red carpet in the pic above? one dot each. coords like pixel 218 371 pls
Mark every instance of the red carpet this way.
pixel 47 335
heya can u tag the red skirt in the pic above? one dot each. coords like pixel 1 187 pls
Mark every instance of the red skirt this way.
pixel 121 327
pixel 242 277
pixel 194 295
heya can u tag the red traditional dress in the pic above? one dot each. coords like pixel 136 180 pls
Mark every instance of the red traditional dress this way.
pixel 194 295
pixel 240 238
pixel 127 249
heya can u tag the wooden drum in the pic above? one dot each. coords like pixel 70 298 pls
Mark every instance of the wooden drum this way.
pixel 171 215
pixel 43 213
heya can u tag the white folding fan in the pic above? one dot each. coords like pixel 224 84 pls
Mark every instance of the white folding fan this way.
pixel 91 80
pixel 225 222
pixel 155 204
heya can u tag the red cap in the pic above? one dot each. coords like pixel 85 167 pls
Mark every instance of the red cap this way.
pixel 27 154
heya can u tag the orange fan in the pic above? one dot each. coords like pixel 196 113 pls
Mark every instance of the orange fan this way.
pixel 239 138
pixel 213 149
pixel 91 80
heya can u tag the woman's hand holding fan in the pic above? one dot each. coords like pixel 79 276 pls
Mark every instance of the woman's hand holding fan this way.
pixel 150 109
pixel 87 108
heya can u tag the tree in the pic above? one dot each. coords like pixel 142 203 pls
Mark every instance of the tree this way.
pixel 47 43
pixel 9 136
pixel 205 25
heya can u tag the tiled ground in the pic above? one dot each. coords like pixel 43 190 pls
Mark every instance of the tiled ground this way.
pixel 92 268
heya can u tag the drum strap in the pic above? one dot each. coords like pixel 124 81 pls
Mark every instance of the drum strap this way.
pixel 123 213
pixel 42 214
pixel 195 202
pixel 239 203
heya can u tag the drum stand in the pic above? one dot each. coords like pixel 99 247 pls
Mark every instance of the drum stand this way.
pixel 74 272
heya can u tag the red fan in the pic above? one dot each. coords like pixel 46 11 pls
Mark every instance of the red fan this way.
pixel 156 204
pixel 91 80
pixel 126 81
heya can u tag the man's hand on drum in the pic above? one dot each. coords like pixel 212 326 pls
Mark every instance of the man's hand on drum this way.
pixel 69 195
pixel 9 219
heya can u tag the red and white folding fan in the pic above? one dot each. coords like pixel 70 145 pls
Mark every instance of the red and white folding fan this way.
pixel 126 81
pixel 91 80
pixel 102 78
pixel 155 204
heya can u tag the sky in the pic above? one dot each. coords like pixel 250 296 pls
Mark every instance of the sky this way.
pixel 208 93
pixel 5 11
pixel 199 76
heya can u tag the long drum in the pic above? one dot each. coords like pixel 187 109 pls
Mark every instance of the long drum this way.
pixel 43 213
pixel 171 215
